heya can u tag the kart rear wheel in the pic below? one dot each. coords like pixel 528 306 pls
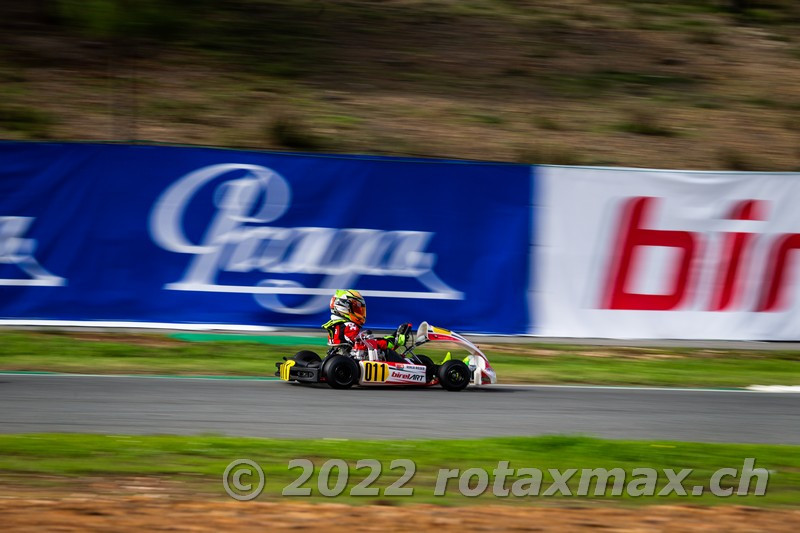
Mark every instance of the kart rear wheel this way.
pixel 341 372
pixel 454 375
pixel 430 366
pixel 307 357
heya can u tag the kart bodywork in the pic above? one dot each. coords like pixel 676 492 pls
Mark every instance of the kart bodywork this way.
pixel 343 367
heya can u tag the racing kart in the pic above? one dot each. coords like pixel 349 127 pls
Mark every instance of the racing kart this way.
pixel 344 367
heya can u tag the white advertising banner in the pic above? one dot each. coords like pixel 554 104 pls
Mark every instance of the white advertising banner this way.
pixel 624 253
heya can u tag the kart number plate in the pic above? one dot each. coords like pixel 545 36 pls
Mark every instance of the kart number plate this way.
pixel 375 372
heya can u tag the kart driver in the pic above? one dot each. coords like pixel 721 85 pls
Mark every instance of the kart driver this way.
pixel 348 314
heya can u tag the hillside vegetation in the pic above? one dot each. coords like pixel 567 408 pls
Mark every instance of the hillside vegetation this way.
pixel 702 84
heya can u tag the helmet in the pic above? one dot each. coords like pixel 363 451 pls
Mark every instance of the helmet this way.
pixel 349 304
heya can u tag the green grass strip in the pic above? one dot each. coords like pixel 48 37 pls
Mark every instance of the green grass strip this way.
pixel 198 463
pixel 114 353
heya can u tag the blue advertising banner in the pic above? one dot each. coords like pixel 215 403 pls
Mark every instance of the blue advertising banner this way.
pixel 181 235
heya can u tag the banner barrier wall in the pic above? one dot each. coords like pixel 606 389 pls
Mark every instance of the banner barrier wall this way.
pixel 92 232
pixel 667 255
pixel 157 235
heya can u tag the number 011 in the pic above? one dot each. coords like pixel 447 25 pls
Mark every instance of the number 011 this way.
pixel 375 371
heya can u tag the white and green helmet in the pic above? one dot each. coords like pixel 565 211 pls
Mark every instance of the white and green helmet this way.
pixel 350 305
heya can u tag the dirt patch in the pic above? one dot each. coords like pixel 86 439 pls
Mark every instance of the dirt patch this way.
pixel 149 504
pixel 151 512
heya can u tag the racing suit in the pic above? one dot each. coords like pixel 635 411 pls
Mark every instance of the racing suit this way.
pixel 341 331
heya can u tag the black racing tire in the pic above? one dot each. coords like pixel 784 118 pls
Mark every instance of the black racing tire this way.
pixel 306 358
pixel 341 372
pixel 430 367
pixel 454 375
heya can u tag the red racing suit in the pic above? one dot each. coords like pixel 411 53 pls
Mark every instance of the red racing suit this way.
pixel 341 331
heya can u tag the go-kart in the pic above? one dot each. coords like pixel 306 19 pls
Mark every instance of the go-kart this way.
pixel 344 366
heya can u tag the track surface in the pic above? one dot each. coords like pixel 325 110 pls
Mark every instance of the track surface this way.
pixel 132 405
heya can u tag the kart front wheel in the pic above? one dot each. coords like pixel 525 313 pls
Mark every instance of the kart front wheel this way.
pixel 454 375
pixel 341 372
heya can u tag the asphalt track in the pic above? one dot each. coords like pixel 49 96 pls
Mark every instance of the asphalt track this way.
pixel 140 405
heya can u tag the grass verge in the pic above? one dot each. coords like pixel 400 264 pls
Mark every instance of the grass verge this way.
pixel 196 465
pixel 245 355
